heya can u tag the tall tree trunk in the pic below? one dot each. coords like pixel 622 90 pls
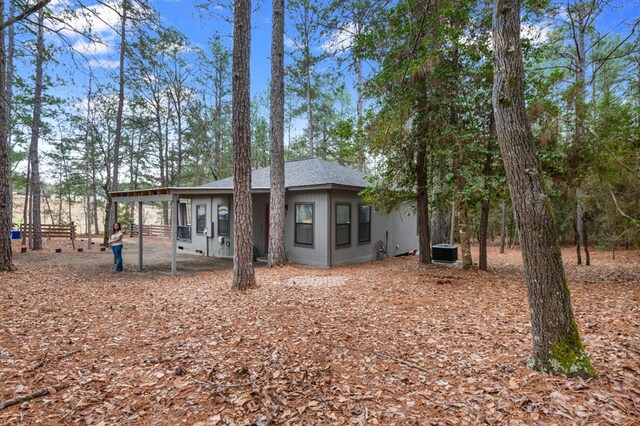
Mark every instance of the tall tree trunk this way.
pixel 310 123
pixel 112 214
pixel 422 198
pixel 6 255
pixel 557 345
pixel 461 207
pixel 35 240
pixel 11 49
pixel 277 251
pixel 577 235
pixel 94 205
pixel 503 226
pixel 483 234
pixel 439 227
pixel 581 228
pixel 87 219
pixel 486 202
pixel 243 274
pixel 580 17
pixel 439 218
pixel 463 230
pixel 6 197
pixel 26 209
pixel 452 231
pixel 359 101
pixel 88 144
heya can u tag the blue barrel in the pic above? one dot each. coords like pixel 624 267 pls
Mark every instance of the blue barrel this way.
pixel 15 235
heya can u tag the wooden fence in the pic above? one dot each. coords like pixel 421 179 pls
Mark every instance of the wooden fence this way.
pixel 151 230
pixel 52 231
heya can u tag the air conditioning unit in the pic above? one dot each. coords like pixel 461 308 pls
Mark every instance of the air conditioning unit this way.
pixel 446 253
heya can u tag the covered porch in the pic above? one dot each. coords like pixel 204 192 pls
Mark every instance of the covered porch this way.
pixel 169 195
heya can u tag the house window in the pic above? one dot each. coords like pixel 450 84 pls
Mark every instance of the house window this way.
pixel 184 213
pixel 201 218
pixel 304 224
pixel 184 220
pixel 343 225
pixel 223 221
pixel 364 223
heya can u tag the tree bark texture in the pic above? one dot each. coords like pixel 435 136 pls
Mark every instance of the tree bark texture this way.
pixel 243 273
pixel 422 199
pixel 35 239
pixel 310 123
pixel 503 227
pixel 557 345
pixel 26 209
pixel 463 230
pixel 277 251
pixel 580 15
pixel 483 231
pixel 581 229
pixel 360 99
pixel 439 227
pixel 461 208
pixel 10 69
pixel 6 255
pixel 483 234
pixel 118 135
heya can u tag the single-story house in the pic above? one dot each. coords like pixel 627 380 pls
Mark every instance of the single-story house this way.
pixel 326 222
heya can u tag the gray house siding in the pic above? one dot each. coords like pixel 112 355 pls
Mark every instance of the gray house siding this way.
pixel 209 244
pixel 354 252
pixel 322 242
pixel 316 255
pixel 405 230
pixel 397 230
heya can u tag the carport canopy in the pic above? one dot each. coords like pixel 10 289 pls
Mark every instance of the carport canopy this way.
pixel 147 196
pixel 171 194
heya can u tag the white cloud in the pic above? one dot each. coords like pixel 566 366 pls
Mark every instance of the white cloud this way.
pixel 289 43
pixel 537 33
pixel 341 40
pixel 101 21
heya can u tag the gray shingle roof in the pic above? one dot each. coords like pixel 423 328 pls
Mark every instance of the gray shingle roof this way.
pixel 310 172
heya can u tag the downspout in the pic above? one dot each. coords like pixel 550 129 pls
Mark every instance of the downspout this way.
pixel 174 232
pixel 211 224
pixel 329 227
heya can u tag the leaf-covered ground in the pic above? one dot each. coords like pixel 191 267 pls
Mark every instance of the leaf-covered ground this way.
pixel 388 342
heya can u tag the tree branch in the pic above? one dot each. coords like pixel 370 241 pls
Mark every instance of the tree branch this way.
pixel 28 11
pixel 42 392
pixel 615 200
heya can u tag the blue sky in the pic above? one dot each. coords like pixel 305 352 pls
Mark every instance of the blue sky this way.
pixel 184 16
pixel 198 26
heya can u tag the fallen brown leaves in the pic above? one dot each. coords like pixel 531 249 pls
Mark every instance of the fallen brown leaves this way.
pixel 390 342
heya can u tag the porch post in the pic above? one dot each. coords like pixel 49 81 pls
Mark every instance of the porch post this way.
pixel 174 232
pixel 140 239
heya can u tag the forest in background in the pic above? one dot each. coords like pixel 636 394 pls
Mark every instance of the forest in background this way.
pixel 381 86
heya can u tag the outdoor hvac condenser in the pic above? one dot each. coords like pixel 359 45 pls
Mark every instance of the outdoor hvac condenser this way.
pixel 444 253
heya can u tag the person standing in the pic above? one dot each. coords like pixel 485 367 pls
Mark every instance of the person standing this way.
pixel 116 246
